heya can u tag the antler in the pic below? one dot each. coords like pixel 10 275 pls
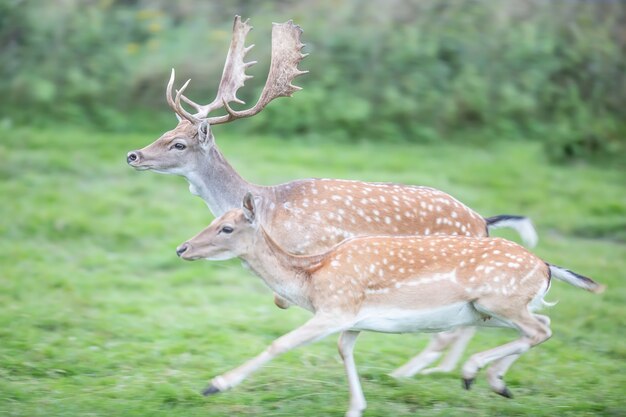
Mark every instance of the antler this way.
pixel 286 55
pixel 233 77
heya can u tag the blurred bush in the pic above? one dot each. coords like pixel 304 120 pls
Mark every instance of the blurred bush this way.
pixel 421 70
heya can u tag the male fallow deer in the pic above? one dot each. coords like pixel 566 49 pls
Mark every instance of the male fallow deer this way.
pixel 391 284
pixel 307 216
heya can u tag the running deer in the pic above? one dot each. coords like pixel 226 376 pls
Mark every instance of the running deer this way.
pixel 307 216
pixel 391 284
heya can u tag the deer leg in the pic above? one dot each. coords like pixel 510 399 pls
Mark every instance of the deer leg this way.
pixel 533 330
pixel 357 399
pixel 496 372
pixel 437 345
pixel 544 319
pixel 315 329
pixel 495 375
pixel 462 337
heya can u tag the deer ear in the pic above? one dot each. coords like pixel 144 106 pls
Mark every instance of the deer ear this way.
pixel 204 132
pixel 249 207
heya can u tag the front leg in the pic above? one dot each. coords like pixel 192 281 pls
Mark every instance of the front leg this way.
pixel 315 329
pixel 357 399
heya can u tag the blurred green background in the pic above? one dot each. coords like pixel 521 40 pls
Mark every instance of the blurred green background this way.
pixel 513 107
pixel 389 70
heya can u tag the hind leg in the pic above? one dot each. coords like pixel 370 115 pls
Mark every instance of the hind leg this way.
pixel 450 360
pixel 533 330
pixel 495 375
pixel 544 319
pixel 439 342
pixel 496 372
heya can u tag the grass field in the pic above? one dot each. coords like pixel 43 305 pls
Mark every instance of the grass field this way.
pixel 98 317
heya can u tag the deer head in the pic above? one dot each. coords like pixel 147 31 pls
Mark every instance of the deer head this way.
pixel 181 149
pixel 228 236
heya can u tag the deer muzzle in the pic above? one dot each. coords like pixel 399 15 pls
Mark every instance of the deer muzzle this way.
pixel 182 249
pixel 133 157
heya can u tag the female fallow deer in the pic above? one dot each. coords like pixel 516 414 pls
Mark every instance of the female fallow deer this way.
pixel 391 284
pixel 308 216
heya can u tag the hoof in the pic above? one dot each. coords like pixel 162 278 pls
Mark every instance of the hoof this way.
pixel 505 393
pixel 210 390
pixel 467 383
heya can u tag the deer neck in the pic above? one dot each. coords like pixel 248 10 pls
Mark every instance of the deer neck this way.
pixel 286 274
pixel 218 184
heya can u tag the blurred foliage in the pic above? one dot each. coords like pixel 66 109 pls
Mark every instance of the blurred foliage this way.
pixel 387 70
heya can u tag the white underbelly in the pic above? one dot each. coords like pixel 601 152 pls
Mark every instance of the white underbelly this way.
pixel 408 321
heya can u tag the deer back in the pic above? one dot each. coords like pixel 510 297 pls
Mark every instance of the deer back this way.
pixel 426 272
pixel 309 216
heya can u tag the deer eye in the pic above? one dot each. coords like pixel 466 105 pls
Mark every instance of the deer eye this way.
pixel 226 229
pixel 179 146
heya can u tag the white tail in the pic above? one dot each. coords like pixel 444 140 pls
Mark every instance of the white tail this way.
pixel 520 224
pixel 575 279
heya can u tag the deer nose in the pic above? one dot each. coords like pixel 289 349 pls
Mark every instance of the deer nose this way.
pixel 182 248
pixel 132 157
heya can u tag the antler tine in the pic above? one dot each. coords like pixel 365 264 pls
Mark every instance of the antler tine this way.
pixel 181 113
pixel 168 90
pixel 286 56
pixel 233 75
pixel 179 109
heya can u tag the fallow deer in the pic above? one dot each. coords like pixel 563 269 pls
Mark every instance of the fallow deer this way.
pixel 307 216
pixel 391 284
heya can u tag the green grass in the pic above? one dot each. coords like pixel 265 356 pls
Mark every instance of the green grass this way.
pixel 98 317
